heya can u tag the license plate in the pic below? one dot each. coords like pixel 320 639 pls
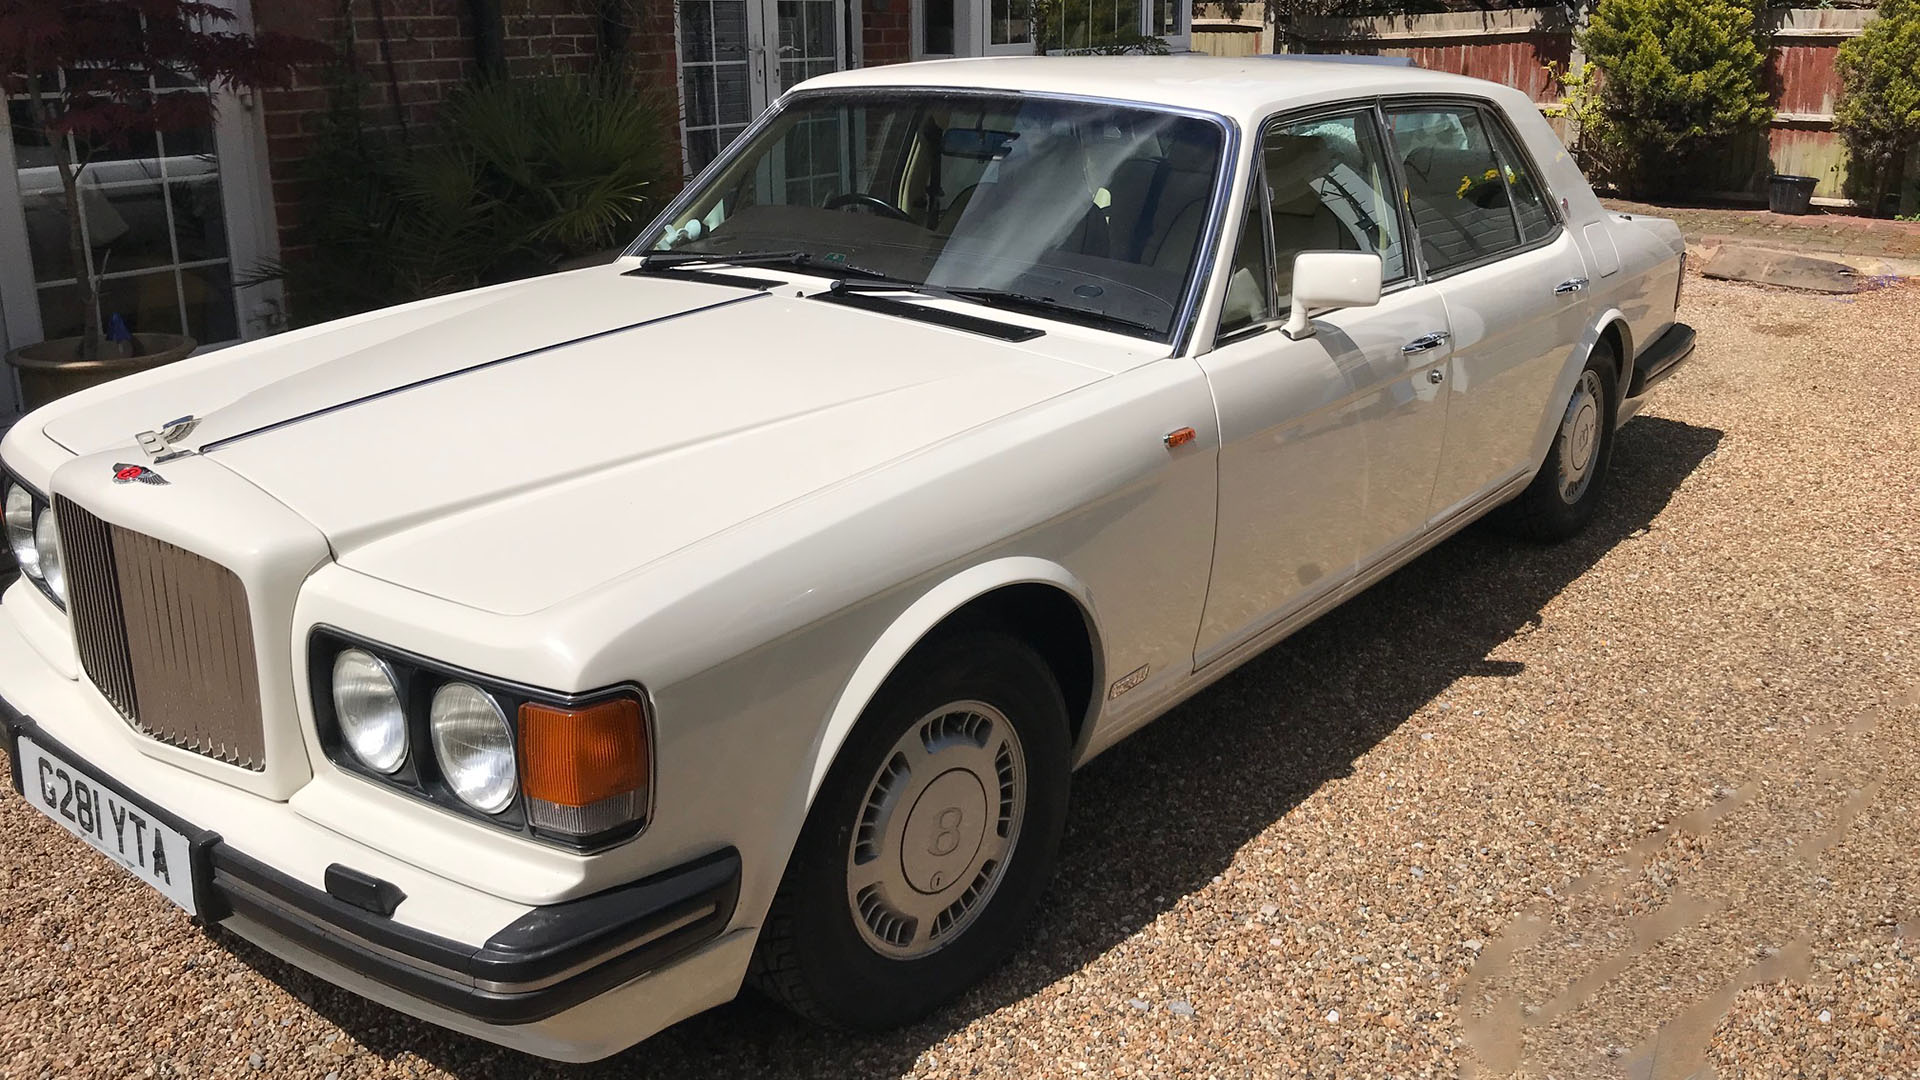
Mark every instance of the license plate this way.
pixel 152 851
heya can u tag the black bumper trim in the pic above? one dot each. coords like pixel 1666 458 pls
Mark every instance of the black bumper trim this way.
pixel 1658 360
pixel 543 963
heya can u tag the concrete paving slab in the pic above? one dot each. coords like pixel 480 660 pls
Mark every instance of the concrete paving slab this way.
pixel 1742 262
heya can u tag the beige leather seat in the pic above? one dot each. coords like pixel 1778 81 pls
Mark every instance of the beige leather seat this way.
pixel 1459 220
pixel 1302 221
pixel 1157 209
pixel 1021 197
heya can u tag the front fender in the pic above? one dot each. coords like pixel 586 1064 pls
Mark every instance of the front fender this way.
pixel 919 619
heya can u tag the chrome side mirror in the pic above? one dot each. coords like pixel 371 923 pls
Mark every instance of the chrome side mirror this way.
pixel 1328 280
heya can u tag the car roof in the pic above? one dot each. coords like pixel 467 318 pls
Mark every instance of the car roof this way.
pixel 1244 88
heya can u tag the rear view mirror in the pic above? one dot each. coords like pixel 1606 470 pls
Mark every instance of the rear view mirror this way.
pixel 976 143
pixel 1326 280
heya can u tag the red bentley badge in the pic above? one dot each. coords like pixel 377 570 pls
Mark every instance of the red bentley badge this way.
pixel 128 474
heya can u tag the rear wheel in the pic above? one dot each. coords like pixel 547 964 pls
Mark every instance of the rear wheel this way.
pixel 930 841
pixel 1566 493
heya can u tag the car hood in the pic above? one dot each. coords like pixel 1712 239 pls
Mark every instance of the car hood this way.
pixel 562 450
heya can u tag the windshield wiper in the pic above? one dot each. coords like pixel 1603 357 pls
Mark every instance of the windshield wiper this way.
pixel 1010 299
pixel 670 260
pixel 812 262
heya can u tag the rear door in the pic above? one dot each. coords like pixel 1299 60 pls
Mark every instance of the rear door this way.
pixel 1512 279
pixel 1329 444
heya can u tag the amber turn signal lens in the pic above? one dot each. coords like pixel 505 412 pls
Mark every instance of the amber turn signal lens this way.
pixel 580 757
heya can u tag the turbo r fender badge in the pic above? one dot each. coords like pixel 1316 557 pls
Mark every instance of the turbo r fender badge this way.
pixel 130 474
pixel 1132 679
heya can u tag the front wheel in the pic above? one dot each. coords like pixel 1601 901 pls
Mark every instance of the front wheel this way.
pixel 1565 494
pixel 930 840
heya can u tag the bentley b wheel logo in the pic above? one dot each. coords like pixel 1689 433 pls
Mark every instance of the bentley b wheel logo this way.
pixel 947 840
pixel 131 474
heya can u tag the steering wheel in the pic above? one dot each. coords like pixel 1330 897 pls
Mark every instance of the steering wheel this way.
pixel 872 203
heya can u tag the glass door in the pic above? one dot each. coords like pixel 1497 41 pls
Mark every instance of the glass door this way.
pixel 1008 29
pixel 721 88
pixel 166 223
pixel 812 40
pixel 736 56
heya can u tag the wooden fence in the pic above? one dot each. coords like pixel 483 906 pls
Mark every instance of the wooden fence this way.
pixel 1527 47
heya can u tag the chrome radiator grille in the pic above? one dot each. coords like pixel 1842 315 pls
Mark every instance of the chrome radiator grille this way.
pixel 166 636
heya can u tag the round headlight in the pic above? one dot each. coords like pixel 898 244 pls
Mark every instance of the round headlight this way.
pixel 46 545
pixel 367 703
pixel 20 530
pixel 474 746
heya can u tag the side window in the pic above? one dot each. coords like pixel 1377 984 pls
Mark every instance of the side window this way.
pixel 1330 189
pixel 1529 195
pixel 1454 185
pixel 1250 286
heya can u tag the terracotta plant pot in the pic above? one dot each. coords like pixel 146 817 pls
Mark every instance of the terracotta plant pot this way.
pixel 49 370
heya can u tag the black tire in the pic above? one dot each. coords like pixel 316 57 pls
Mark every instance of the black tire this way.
pixel 812 956
pixel 1543 512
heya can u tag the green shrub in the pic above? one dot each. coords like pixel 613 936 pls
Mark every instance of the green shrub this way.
pixel 1879 109
pixel 1679 78
pixel 517 176
pixel 1588 134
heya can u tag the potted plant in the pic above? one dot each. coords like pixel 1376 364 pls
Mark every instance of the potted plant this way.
pixel 86 71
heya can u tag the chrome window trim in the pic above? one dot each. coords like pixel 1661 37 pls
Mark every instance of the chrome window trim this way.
pixel 1497 116
pixel 1180 335
pixel 1357 108
pixel 1259 181
pixel 1415 271
pixel 1484 107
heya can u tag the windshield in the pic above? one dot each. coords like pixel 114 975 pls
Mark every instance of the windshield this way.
pixel 1093 209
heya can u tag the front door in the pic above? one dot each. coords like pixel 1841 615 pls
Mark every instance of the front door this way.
pixel 169 225
pixel 737 56
pixel 1329 444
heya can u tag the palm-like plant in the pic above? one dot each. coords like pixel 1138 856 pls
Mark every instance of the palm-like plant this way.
pixel 518 176
pixel 571 160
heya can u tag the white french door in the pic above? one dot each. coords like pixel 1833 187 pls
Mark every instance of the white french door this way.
pixel 943 28
pixel 171 221
pixel 736 56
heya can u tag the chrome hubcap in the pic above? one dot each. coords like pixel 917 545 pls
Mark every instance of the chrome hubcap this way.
pixel 939 822
pixel 1580 438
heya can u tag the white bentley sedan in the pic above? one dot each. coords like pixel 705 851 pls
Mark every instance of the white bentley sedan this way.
pixel 549 661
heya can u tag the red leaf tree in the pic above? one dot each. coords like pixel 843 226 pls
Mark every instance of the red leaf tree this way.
pixel 88 70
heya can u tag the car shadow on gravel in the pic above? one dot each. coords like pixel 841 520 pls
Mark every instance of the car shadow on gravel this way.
pixel 1164 812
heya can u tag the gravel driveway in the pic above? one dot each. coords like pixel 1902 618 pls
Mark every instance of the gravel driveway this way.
pixel 1635 805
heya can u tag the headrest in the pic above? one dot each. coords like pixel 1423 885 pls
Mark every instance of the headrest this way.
pixel 1294 164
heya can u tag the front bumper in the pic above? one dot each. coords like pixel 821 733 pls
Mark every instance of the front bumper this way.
pixel 575 980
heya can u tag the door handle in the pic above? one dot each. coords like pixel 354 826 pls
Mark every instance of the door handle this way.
pixel 1571 285
pixel 1425 342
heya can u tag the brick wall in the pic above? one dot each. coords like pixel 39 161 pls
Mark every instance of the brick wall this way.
pixel 422 51
pixel 885 32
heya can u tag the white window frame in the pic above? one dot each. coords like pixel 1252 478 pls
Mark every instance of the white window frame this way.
pixel 982 18
pixel 253 235
pixel 763 60
pixel 1183 20
pixel 972 32
pixel 917 31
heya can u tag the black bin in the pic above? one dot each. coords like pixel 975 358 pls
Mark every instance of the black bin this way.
pixel 1790 194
